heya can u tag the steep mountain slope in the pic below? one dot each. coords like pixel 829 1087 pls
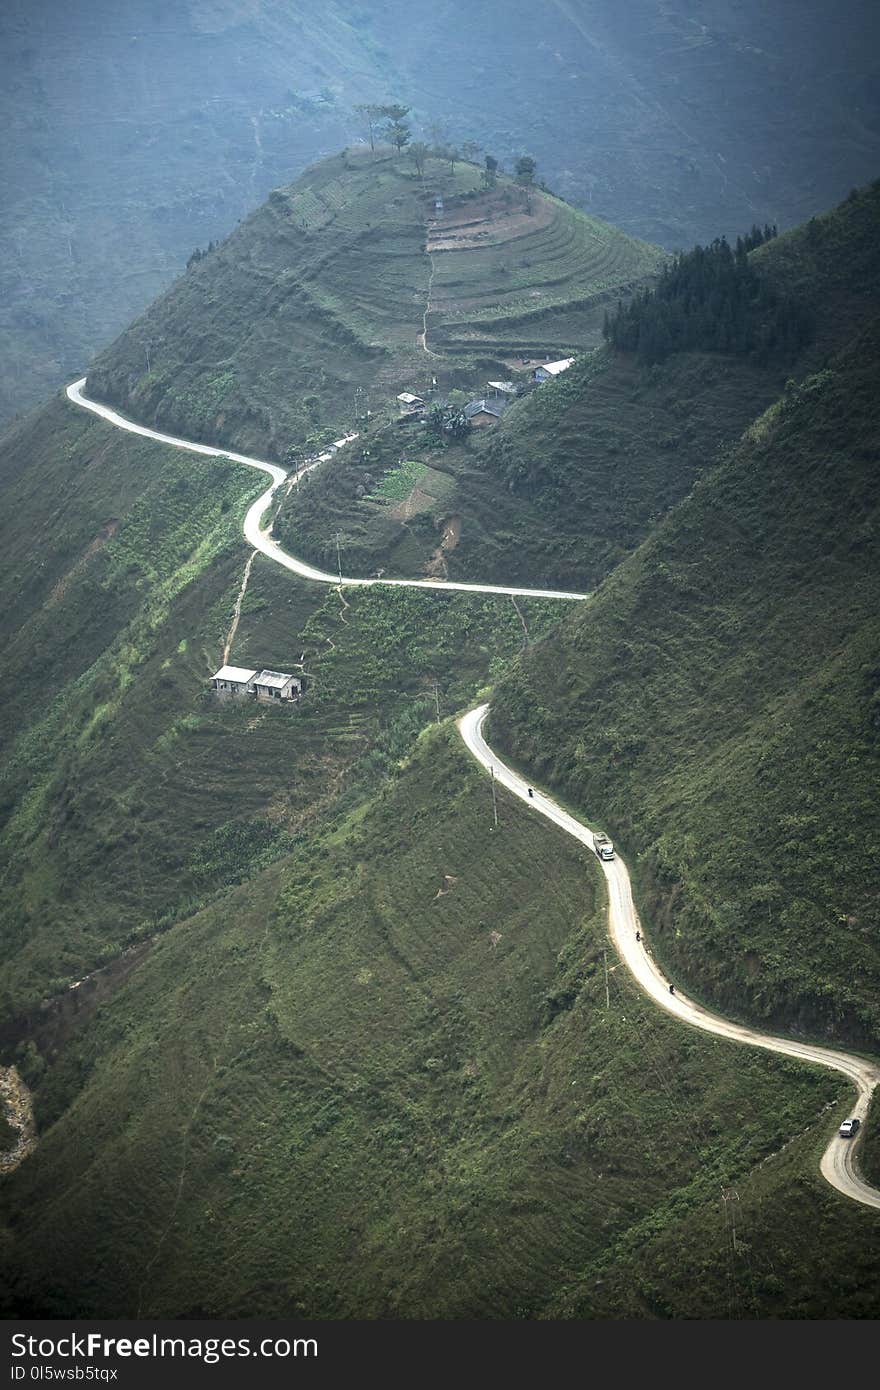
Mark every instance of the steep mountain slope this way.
pixel 571 480
pixel 327 289
pixel 576 474
pixel 364 1061
pixel 392 1087
pixel 134 136
pixel 129 795
pixel 714 707
pixel 113 815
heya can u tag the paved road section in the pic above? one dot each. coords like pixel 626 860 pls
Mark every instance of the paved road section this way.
pixel 838 1161
pixel 262 540
pixel 838 1164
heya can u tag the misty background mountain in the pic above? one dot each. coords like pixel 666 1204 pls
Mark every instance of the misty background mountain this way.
pixel 136 133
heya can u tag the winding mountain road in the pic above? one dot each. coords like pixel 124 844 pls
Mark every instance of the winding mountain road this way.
pixel 838 1164
pixel 262 539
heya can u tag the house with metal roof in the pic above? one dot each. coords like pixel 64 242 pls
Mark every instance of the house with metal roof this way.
pixel 485 412
pixel 277 685
pixel 503 388
pixel 548 370
pixel 233 681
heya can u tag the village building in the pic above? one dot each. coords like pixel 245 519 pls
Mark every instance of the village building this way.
pixel 502 388
pixel 233 681
pixel 485 412
pixel 409 403
pixel 277 685
pixel 548 370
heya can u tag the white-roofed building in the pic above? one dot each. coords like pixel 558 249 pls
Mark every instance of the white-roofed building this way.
pixel 277 685
pixel 550 369
pixel 408 402
pixel 233 680
pixel 503 388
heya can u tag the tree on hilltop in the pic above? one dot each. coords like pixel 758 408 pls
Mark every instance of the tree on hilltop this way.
pixel 525 169
pixel 419 153
pixel 490 173
pixel 396 129
pixel 371 113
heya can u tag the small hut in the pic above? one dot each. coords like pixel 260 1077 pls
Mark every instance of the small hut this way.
pixel 233 681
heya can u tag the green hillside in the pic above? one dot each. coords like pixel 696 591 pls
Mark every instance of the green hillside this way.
pixel 573 478
pixel 392 1088
pixel 323 293
pixel 577 473
pixel 128 795
pixel 363 1061
pixel 715 706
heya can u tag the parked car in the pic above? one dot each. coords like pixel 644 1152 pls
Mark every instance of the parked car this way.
pixel 848 1128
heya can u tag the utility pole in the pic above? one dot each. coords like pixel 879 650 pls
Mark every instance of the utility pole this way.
pixel 494 800
pixel 607 996
pixel 338 558
pixel 437 699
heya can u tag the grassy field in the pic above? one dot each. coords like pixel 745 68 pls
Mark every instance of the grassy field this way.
pixel 396 484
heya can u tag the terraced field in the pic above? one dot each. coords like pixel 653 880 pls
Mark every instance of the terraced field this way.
pixel 321 296
pixel 529 273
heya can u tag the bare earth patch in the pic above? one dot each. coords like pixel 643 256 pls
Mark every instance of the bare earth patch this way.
pixel 436 568
pixel 488 221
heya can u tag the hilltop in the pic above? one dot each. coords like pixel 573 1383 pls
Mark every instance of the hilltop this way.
pixel 129 144
pixel 319 302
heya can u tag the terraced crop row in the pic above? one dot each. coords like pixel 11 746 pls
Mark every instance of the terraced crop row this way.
pixel 308 211
pixel 568 258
